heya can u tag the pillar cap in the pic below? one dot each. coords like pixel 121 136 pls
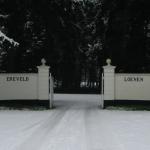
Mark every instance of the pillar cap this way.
pixel 109 66
pixel 43 64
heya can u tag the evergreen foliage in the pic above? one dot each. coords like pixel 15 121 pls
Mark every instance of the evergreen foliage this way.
pixel 75 37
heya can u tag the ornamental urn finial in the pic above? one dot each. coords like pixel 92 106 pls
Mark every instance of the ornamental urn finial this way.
pixel 43 61
pixel 108 61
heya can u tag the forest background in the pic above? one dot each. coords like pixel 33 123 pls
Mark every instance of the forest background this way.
pixel 75 37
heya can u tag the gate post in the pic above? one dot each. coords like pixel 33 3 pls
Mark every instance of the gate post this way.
pixel 43 81
pixel 109 81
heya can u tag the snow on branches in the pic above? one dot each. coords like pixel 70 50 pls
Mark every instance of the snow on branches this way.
pixel 4 16
pixel 3 38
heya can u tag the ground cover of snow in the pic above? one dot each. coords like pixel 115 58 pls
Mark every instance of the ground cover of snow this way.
pixel 77 123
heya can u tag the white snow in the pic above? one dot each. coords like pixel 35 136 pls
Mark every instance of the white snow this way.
pixel 77 123
pixel 4 37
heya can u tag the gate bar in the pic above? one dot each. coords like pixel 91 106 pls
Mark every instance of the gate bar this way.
pixel 51 96
pixel 102 92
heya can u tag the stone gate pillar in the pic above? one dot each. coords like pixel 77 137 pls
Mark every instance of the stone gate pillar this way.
pixel 43 81
pixel 109 81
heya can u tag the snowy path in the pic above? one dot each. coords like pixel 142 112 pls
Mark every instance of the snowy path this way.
pixel 76 124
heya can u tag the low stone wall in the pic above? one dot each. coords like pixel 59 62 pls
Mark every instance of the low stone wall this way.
pixel 132 86
pixel 124 86
pixel 26 86
pixel 18 86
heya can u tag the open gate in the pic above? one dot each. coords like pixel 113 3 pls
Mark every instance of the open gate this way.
pixel 102 91
pixel 51 91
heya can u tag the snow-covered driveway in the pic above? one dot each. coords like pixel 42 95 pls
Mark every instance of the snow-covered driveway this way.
pixel 76 124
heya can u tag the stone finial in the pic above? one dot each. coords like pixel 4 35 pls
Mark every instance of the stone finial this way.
pixel 43 61
pixel 108 61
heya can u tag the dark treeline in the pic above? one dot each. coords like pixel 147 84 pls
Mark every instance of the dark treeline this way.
pixel 127 39
pixel 75 37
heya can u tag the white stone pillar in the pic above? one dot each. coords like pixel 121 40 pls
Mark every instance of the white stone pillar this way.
pixel 109 81
pixel 43 81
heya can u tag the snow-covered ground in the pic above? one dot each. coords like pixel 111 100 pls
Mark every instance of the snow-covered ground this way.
pixel 77 123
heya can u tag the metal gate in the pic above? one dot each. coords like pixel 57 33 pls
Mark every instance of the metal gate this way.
pixel 102 91
pixel 51 91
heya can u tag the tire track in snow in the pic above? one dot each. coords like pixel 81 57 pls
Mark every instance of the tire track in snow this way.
pixel 70 133
pixel 98 137
pixel 34 142
pixel 17 131
pixel 64 130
